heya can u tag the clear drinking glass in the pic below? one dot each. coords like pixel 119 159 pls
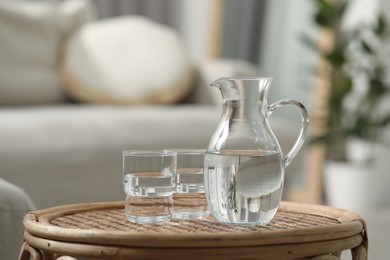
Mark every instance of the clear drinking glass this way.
pixel 149 183
pixel 189 201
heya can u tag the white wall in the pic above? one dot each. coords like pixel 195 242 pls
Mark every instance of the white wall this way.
pixel 285 57
pixel 192 21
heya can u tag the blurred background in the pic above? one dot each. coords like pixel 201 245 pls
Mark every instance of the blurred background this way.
pixel 302 44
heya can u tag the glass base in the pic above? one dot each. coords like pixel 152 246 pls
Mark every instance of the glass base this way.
pixel 261 218
pixel 189 206
pixel 148 219
pixel 148 209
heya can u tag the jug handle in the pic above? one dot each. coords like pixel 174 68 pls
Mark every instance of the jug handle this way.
pixel 304 125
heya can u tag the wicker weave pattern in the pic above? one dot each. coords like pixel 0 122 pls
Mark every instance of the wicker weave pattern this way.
pixel 114 220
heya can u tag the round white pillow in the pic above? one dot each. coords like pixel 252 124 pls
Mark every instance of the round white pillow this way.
pixel 126 60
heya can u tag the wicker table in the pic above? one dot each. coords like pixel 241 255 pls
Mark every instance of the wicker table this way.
pixel 100 230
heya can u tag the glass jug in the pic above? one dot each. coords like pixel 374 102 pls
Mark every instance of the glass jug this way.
pixel 244 164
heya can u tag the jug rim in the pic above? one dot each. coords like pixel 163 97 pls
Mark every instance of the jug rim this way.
pixel 245 78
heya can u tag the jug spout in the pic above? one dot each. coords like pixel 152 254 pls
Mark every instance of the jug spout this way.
pixel 235 88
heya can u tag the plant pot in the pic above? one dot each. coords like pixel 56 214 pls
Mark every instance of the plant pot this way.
pixel 360 184
pixel 348 186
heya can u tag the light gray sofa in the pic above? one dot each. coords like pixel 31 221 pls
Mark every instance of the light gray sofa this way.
pixel 14 204
pixel 69 153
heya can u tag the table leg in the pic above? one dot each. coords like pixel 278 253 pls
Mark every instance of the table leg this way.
pixel 27 252
pixel 359 253
pixel 48 256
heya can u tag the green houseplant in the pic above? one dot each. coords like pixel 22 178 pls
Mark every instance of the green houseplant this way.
pixel 356 55
pixel 358 87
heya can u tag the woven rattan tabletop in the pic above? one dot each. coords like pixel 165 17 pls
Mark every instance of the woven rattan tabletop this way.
pixel 105 223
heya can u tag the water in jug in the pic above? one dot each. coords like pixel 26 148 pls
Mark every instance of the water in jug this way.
pixel 244 164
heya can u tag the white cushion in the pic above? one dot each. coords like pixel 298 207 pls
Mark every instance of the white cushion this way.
pixel 127 60
pixel 31 34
